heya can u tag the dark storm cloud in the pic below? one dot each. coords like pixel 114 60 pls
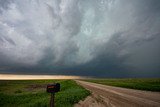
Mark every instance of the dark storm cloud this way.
pixel 109 38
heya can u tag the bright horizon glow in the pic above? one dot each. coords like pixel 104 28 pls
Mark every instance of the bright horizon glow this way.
pixel 30 77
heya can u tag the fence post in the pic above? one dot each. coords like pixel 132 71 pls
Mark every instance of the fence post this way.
pixel 52 100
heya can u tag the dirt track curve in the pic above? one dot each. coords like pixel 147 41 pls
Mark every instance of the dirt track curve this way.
pixel 108 96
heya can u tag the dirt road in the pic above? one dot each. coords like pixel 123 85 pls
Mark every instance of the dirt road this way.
pixel 108 96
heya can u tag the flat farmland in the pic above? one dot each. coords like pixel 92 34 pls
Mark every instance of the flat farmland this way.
pixel 148 84
pixel 32 93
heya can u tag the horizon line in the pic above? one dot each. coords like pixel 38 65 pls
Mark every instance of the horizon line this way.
pixel 36 77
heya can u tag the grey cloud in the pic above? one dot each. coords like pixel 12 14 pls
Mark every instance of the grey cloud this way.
pixel 92 37
pixel 4 4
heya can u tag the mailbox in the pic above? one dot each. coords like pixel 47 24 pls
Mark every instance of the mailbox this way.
pixel 53 88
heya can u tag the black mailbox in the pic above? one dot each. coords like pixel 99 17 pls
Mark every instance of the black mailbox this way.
pixel 53 88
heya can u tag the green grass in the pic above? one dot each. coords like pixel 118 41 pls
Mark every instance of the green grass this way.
pixel 140 84
pixel 32 93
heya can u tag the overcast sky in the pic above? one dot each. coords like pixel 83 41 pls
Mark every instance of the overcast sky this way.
pixel 105 38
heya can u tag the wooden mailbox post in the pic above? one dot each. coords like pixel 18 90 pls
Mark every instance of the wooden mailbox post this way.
pixel 53 88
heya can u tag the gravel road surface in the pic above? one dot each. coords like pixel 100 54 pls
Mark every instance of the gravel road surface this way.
pixel 109 96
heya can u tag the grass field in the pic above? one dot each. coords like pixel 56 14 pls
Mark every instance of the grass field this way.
pixel 140 84
pixel 32 93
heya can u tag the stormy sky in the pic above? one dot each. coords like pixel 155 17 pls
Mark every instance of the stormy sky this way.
pixel 103 38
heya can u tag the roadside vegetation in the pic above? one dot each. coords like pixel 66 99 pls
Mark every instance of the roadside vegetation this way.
pixel 140 84
pixel 32 93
